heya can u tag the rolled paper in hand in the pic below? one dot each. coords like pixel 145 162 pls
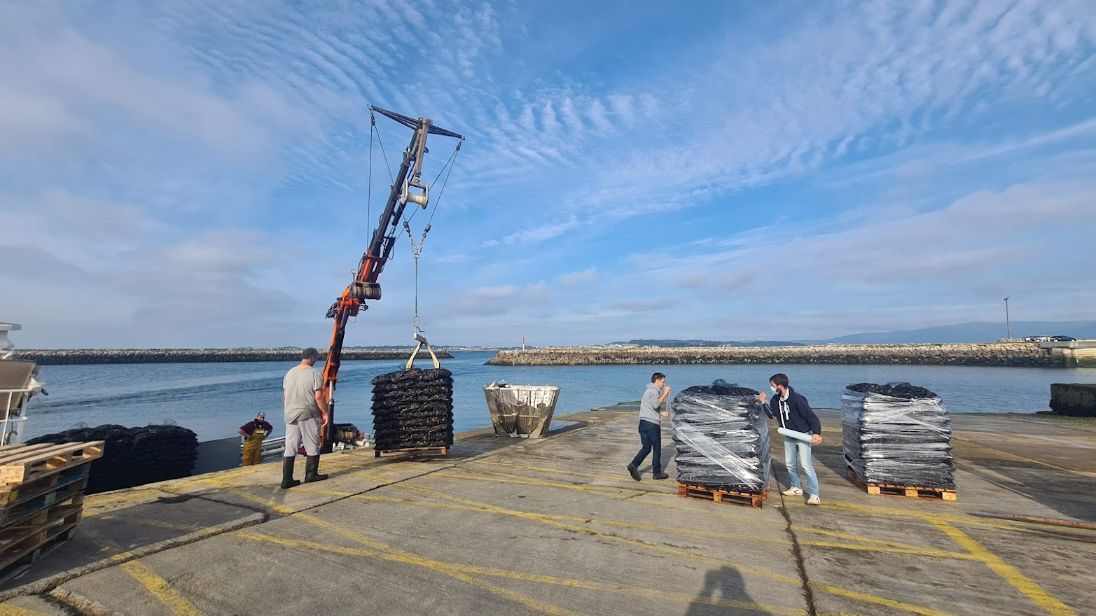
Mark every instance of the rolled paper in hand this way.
pixel 801 436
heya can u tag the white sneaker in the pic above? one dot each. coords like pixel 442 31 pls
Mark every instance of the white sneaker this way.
pixel 814 500
pixel 793 492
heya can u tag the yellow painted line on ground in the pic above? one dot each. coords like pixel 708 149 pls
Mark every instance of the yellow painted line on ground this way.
pixel 900 548
pixel 535 577
pixel 161 589
pixel 617 493
pixel 15 610
pixel 1013 456
pixel 926 552
pixel 455 571
pixel 553 470
pixel 874 599
pixel 1048 602
pixel 920 515
pixel 560 517
pixel 682 553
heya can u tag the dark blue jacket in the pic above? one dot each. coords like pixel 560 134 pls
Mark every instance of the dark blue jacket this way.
pixel 800 416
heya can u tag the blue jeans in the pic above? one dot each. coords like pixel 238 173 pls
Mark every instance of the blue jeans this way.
pixel 792 447
pixel 650 435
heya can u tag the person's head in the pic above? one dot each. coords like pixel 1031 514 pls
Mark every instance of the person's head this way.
pixel 779 383
pixel 658 379
pixel 310 356
pixel 260 417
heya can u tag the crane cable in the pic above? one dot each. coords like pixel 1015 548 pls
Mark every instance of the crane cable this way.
pixel 416 249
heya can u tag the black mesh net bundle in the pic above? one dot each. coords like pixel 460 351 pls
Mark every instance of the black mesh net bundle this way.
pixel 897 434
pixel 413 408
pixel 133 456
pixel 721 437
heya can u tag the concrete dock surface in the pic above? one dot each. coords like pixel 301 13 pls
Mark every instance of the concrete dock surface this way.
pixel 556 526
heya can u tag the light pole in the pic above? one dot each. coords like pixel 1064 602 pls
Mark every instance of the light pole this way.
pixel 1008 325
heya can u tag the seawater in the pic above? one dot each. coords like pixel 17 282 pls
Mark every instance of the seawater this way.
pixel 214 399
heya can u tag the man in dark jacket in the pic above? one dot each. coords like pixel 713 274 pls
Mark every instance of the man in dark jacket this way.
pixel 794 413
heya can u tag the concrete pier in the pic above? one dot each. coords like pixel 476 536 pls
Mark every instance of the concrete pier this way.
pixel 556 526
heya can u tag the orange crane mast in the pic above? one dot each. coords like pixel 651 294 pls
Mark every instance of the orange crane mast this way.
pixel 407 187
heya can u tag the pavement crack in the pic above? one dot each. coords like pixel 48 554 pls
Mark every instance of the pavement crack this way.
pixel 800 566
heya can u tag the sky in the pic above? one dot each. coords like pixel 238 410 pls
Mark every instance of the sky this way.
pixel 197 173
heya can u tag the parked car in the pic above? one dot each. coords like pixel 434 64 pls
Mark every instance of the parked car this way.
pixel 1063 338
pixel 1038 338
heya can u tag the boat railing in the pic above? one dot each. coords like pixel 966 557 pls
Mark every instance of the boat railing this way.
pixel 13 414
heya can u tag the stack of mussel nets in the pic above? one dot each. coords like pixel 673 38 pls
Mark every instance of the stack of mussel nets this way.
pixel 413 409
pixel 897 434
pixel 721 437
pixel 133 456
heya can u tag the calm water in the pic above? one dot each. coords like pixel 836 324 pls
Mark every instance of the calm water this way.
pixel 214 399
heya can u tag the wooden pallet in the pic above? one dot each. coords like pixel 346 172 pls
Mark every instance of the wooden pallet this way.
pixel 23 463
pixel 414 451
pixel 753 499
pixel 886 489
pixel 57 526
pixel 26 508
pixel 13 493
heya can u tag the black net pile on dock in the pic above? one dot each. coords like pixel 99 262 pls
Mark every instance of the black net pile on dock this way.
pixel 897 434
pixel 133 456
pixel 413 408
pixel 721 437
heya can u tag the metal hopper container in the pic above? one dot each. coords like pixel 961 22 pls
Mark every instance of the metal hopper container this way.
pixel 521 410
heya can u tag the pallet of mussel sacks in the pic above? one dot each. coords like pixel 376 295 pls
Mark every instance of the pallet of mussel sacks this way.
pixel 413 412
pixel 722 443
pixel 41 499
pixel 897 441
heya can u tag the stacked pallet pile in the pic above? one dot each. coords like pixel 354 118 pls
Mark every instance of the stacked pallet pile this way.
pixel 41 498
pixel 413 410
pixel 897 435
pixel 722 443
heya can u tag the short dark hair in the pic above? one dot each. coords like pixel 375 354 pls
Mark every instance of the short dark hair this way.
pixel 310 353
pixel 779 379
pixel 656 376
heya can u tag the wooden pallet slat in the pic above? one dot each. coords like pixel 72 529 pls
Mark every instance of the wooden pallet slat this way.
pixel 753 499
pixel 886 489
pixel 26 464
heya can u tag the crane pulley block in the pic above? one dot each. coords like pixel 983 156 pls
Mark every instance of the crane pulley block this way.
pixel 363 290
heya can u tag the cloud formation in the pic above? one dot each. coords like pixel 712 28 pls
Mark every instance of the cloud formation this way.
pixel 196 173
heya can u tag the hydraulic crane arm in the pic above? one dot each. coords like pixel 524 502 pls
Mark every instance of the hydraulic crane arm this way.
pixel 406 188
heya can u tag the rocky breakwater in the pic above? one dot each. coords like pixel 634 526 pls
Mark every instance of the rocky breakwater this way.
pixel 995 354
pixel 48 357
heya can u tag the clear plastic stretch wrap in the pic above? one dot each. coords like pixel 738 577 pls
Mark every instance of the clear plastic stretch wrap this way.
pixel 897 434
pixel 413 408
pixel 721 437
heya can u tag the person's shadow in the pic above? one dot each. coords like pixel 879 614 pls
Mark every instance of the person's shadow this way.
pixel 723 583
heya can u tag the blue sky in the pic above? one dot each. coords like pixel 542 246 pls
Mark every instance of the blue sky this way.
pixel 194 174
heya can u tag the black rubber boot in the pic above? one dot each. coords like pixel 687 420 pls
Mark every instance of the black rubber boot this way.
pixel 311 469
pixel 287 474
pixel 661 475
pixel 633 471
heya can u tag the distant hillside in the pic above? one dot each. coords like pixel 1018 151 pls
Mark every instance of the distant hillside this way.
pixel 972 332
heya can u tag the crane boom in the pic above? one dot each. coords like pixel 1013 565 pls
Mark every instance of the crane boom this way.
pixel 406 188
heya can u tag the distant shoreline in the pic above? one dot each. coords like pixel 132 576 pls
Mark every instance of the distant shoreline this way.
pixel 1012 354
pixel 54 357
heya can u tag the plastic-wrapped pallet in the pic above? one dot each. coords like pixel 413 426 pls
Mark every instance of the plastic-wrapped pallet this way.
pixel 897 434
pixel 413 408
pixel 722 438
